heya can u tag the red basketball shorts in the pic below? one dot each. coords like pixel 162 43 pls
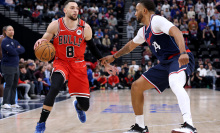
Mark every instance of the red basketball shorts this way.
pixel 76 74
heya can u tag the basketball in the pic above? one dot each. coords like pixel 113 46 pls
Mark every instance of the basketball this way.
pixel 45 51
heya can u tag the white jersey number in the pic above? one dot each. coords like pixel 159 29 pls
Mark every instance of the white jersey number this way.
pixel 156 46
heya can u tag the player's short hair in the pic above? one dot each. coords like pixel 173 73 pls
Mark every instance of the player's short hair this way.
pixel 149 4
pixel 68 1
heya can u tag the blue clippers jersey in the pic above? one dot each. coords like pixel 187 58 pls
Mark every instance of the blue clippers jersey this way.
pixel 162 45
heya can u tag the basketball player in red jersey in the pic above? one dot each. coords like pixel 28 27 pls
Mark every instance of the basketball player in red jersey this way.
pixel 70 38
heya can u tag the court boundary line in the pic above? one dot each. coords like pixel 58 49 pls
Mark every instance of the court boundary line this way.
pixel 31 110
pixel 154 126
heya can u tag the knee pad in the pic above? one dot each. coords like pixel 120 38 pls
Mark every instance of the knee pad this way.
pixel 83 103
pixel 57 81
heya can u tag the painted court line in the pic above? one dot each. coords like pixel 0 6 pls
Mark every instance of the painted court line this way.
pixel 154 126
pixel 31 110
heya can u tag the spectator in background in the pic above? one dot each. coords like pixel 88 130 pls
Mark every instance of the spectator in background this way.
pixel 112 21
pixel 196 80
pixel 103 9
pixel 40 7
pixel 211 11
pixel 102 81
pixel 193 36
pixel 97 41
pixel 37 17
pixel 177 16
pixel 184 26
pixel 125 66
pixel 191 13
pixel 103 22
pixel 147 55
pixel 202 25
pixel 114 50
pixel 99 33
pixel 122 76
pixel 207 32
pixel 129 15
pixel 11 49
pixel 119 2
pixel 211 77
pixel 199 5
pixel 10 4
pixel 176 23
pixel 138 73
pixel 119 10
pixel 56 8
pixel 106 41
pixel 129 80
pixel 55 18
pixel 24 83
pixel 23 77
pixel 214 26
pixel 158 10
pixel 116 42
pixel 132 7
pixel 94 8
pixel 133 64
pixel 193 23
pixel 202 13
pixel 210 4
pixel 31 77
pixel 202 71
pixel 165 6
pixel 131 71
pixel 167 13
pixel 185 18
pixel 173 11
pixel 130 31
pixel 217 14
pixel 113 82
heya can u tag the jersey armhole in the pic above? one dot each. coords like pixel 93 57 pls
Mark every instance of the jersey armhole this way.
pixel 58 32
pixel 153 30
pixel 84 23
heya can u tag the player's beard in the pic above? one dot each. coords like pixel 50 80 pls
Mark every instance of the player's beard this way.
pixel 72 18
pixel 139 18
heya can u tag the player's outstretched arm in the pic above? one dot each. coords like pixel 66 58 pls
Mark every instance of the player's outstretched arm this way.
pixel 94 50
pixel 124 50
pixel 52 29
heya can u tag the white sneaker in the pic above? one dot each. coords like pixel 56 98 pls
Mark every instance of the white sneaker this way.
pixel 185 128
pixel 16 106
pixel 6 106
pixel 27 97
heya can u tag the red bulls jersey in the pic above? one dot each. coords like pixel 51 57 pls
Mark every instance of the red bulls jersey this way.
pixel 70 45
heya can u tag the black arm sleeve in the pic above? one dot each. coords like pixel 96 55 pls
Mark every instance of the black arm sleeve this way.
pixel 94 50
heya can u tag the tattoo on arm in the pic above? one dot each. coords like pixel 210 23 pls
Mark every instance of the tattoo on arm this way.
pixel 124 50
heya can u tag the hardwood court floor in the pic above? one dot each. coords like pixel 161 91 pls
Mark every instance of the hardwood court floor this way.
pixel 111 112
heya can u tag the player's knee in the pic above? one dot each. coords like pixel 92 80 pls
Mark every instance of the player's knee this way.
pixel 83 103
pixel 134 86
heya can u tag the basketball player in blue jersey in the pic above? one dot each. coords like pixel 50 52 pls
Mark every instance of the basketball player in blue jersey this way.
pixel 176 64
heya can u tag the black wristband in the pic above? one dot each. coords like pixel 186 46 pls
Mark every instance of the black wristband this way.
pixel 183 53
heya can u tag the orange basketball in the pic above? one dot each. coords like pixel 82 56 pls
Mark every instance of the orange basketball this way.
pixel 45 51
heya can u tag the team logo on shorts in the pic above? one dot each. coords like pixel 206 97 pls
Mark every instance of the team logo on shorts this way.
pixel 78 32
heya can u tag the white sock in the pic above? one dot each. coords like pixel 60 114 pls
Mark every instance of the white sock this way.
pixel 140 120
pixel 1 100
pixel 177 81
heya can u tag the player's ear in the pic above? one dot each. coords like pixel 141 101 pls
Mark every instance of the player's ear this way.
pixel 64 10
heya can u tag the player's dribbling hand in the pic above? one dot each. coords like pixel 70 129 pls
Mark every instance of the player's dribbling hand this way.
pixel 39 41
pixel 183 60
pixel 107 59
pixel 111 69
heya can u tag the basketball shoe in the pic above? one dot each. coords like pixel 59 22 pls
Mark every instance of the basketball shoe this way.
pixel 81 114
pixel 40 128
pixel 185 128
pixel 136 129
